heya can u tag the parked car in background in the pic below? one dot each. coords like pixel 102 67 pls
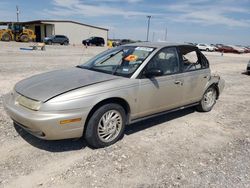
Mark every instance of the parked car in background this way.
pixel 239 49
pixel 56 39
pixel 244 48
pixel 225 49
pixel 120 86
pixel 205 47
pixel 247 49
pixel 190 43
pixel 215 48
pixel 94 41
pixel 126 41
pixel 248 67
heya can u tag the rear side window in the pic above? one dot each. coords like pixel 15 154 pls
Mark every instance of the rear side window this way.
pixel 191 59
pixel 60 36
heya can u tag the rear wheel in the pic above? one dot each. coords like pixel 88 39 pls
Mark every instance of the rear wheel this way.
pixel 106 126
pixel 24 38
pixel 6 37
pixel 208 100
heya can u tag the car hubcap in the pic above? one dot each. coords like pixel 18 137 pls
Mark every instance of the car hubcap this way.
pixel 209 98
pixel 109 126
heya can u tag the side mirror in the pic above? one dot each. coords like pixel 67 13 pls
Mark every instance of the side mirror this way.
pixel 153 72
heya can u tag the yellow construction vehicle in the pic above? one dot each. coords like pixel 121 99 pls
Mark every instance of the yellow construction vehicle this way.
pixel 16 32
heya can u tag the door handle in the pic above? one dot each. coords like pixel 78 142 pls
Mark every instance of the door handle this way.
pixel 178 82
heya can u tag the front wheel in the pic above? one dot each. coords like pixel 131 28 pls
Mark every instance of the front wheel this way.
pixel 208 100
pixel 106 126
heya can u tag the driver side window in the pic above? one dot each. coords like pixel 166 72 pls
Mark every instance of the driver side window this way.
pixel 165 60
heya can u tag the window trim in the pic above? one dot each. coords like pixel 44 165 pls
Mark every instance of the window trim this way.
pixel 141 75
pixel 198 56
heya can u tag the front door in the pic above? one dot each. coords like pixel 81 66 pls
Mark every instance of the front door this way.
pixel 164 92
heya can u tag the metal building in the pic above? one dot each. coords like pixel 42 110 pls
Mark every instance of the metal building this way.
pixel 75 31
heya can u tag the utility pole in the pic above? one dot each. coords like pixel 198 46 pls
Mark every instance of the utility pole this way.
pixel 149 17
pixel 17 14
pixel 166 34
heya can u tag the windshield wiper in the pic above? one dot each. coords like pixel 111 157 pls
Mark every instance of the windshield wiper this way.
pixel 116 67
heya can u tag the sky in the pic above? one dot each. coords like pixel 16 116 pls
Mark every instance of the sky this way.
pixel 200 21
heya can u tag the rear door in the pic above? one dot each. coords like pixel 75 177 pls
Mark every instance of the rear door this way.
pixel 196 73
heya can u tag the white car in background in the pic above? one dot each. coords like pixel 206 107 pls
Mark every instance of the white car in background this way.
pixel 205 47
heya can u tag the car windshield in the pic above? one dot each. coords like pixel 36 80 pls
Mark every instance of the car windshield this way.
pixel 121 61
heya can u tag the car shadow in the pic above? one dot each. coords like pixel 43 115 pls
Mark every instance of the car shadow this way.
pixel 245 73
pixel 148 123
pixel 51 145
pixel 77 144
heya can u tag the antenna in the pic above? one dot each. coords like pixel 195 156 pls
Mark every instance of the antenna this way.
pixel 17 14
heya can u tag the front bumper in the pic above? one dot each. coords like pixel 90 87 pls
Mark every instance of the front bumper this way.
pixel 46 125
pixel 221 85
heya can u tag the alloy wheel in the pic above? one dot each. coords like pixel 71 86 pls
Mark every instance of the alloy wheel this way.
pixel 209 98
pixel 109 126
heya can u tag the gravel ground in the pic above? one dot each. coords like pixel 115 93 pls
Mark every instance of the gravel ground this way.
pixel 181 149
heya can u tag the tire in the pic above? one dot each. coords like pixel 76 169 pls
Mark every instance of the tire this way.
pixel 49 42
pixel 6 37
pixel 208 100
pixel 65 43
pixel 24 38
pixel 97 135
pixel 207 50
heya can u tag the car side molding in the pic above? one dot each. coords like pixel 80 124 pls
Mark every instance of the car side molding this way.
pixel 163 113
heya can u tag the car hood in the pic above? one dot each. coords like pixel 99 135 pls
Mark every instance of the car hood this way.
pixel 45 86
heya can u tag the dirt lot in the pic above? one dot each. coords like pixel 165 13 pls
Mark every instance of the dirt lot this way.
pixel 182 149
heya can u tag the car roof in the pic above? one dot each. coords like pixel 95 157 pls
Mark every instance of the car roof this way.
pixel 157 44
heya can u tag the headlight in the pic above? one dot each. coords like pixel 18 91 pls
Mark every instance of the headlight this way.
pixel 28 103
